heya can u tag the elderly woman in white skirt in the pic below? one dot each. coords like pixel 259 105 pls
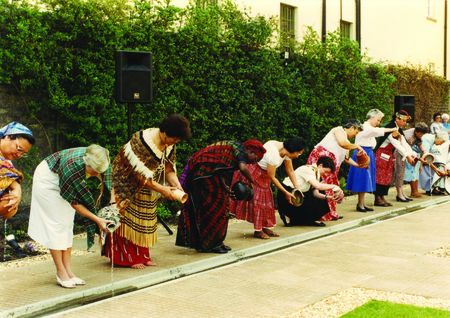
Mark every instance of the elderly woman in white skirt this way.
pixel 59 189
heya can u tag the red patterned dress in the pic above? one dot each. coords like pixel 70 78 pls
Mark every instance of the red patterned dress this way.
pixel 331 178
pixel 329 147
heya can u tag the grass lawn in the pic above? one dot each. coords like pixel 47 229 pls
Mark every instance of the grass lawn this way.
pixel 384 309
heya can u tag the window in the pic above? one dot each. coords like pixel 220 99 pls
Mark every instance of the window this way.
pixel 287 21
pixel 345 29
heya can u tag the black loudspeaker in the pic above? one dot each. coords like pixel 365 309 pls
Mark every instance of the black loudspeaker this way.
pixel 405 102
pixel 133 77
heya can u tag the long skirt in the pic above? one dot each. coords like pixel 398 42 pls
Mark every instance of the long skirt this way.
pixel 137 231
pixel 123 252
pixel 399 169
pixel 261 209
pixel 51 217
pixel 412 172
pixel 361 179
pixel 385 161
pixel 203 221
pixel 426 178
pixel 312 209
pixel 331 178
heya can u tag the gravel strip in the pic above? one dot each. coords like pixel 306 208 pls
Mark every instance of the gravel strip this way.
pixel 441 252
pixel 349 299
pixel 44 255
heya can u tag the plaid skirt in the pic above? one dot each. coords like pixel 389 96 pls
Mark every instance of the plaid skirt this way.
pixel 261 209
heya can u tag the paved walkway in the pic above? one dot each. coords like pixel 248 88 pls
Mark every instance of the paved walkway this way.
pixel 283 282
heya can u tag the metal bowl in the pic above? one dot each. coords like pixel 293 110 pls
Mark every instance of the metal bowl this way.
pixel 298 197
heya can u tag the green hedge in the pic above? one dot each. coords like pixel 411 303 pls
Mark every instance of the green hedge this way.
pixel 216 65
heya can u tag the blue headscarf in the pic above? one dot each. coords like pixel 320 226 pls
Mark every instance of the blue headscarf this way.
pixel 14 128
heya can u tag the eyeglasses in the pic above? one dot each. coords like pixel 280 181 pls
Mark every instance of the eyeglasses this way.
pixel 20 150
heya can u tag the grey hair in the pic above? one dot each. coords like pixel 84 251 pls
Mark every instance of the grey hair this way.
pixel 421 127
pixel 97 158
pixel 445 116
pixel 443 135
pixel 374 112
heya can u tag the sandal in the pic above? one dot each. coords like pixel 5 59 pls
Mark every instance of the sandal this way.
pixel 261 235
pixel 270 232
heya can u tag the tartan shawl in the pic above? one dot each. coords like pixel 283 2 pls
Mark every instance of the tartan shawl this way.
pixel 219 158
pixel 69 166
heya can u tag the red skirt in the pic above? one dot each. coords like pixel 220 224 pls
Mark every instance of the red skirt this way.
pixel 261 209
pixel 385 160
pixel 124 253
pixel 331 178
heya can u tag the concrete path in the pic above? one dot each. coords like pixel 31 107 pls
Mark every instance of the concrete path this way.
pixel 393 255
pixel 31 290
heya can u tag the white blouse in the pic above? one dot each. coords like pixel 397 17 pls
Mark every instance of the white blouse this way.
pixel 366 137
pixel 329 142
pixel 401 146
pixel 304 175
pixel 272 156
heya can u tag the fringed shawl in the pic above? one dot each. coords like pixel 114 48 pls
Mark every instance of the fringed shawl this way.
pixel 137 161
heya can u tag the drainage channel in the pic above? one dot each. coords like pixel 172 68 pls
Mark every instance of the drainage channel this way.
pixel 93 295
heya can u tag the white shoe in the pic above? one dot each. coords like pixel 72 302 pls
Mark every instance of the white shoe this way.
pixel 65 283
pixel 78 281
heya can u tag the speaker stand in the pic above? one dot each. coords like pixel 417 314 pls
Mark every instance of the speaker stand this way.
pixel 129 112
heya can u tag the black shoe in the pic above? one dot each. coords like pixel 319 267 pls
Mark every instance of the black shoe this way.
pixel 225 247
pixel 437 191
pixel 400 199
pixel 337 218
pixel 409 199
pixel 368 209
pixel 218 250
pixel 359 209
pixel 314 223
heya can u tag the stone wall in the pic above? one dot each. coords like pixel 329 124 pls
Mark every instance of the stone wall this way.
pixel 14 107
